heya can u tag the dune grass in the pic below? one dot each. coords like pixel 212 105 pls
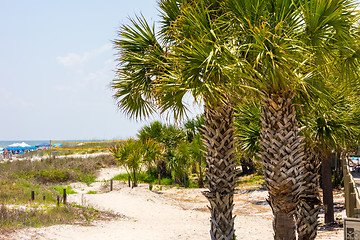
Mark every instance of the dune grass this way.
pixel 47 178
pixel 19 178
pixel 252 179
pixel 16 218
pixel 145 178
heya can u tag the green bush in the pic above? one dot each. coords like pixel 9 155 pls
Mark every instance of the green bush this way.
pixel 167 181
pixel 53 176
pixel 60 190
pixel 192 184
pixel 145 177
pixel 121 176
pixel 87 178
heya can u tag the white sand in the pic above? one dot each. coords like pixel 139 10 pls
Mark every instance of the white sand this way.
pixel 179 214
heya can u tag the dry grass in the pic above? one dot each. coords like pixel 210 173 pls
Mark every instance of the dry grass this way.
pixel 19 178
pixel 15 218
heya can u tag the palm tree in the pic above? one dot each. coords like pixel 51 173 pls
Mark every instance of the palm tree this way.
pixel 166 135
pixel 286 43
pixel 273 49
pixel 153 153
pixel 197 150
pixel 247 128
pixel 202 67
pixel 152 75
pixel 332 124
pixel 330 36
pixel 193 127
pixel 130 156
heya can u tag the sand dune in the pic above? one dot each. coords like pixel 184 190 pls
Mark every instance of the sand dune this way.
pixel 180 214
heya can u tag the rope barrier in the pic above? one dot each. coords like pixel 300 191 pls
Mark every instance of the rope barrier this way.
pixel 79 149
pixel 82 149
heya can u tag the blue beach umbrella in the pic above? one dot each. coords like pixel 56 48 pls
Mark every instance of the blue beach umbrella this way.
pixel 43 145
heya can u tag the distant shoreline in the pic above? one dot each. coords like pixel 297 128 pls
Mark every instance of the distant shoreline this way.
pixel 4 143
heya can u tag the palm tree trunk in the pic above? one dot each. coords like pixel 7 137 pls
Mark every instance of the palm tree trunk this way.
pixel 327 187
pixel 309 204
pixel 282 153
pixel 135 181
pixel 219 141
pixel 201 179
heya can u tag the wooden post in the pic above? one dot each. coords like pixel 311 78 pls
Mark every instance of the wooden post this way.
pixel 159 177
pixel 32 195
pixel 58 200
pixel 51 147
pixel 352 198
pixel 352 204
pixel 111 184
pixel 129 180
pixel 347 194
pixel 64 196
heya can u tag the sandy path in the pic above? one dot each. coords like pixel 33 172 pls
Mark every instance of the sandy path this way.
pixel 179 214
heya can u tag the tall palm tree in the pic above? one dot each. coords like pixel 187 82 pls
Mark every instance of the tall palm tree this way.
pixel 270 32
pixel 286 42
pixel 202 62
pixel 152 75
pixel 330 35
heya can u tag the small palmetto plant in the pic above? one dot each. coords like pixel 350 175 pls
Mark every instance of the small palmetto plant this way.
pixel 129 156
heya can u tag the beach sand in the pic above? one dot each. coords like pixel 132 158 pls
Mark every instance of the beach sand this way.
pixel 171 213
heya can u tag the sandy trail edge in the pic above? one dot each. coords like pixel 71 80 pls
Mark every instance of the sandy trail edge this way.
pixel 170 214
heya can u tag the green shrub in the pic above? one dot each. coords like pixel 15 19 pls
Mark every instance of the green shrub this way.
pixel 60 190
pixel 52 175
pixel 251 179
pixel 87 178
pixel 122 176
pixel 91 192
pixel 145 177
pixel 192 184
pixel 167 181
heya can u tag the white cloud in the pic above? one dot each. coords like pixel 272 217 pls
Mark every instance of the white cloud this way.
pixel 74 59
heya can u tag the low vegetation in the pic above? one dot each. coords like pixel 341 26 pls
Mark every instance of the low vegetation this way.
pixel 47 178
pixel 15 218
pixel 19 178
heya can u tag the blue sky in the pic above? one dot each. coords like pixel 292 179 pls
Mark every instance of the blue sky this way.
pixel 56 65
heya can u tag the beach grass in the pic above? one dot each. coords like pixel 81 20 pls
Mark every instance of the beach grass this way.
pixel 47 179
pixel 145 178
pixel 15 218
pixel 252 179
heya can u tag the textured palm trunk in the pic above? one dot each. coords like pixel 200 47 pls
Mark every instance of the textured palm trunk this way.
pixel 219 141
pixel 309 200
pixel 282 152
